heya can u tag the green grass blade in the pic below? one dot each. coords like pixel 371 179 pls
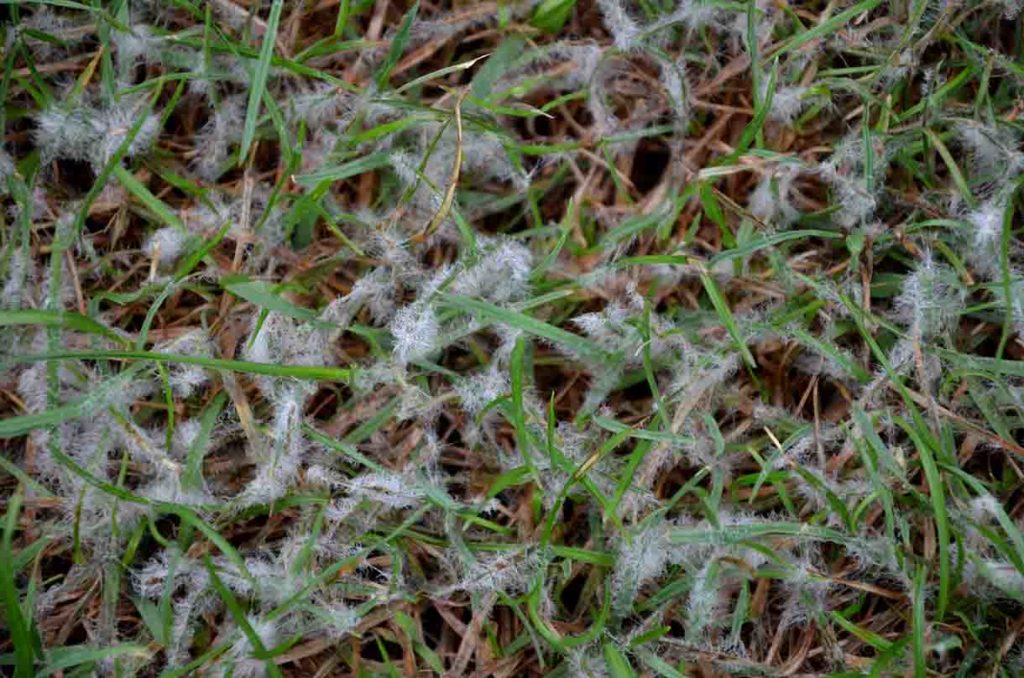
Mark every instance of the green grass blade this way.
pixel 68 320
pixel 238 614
pixel 518 370
pixel 262 294
pixel 192 478
pixel 63 658
pixel 397 47
pixel 824 29
pixel 259 80
pixel 313 372
pixel 725 315
pixel 17 624
pixel 368 163
pixel 937 492
pixel 152 203
pixel 919 628
pixel 538 328
pixel 734 534
pixel 97 399
pixel 616 662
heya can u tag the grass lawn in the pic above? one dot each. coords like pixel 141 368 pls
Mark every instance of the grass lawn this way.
pixel 511 338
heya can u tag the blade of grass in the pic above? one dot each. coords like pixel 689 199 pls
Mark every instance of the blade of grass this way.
pixel 919 623
pixel 518 369
pixel 616 662
pixel 825 28
pixel 368 163
pixel 317 373
pixel 68 320
pixel 98 398
pixel 574 342
pixel 62 658
pixel 734 534
pixel 937 493
pixel 238 614
pixel 192 478
pixel 259 81
pixel 152 203
pixel 17 623
pixel 396 48
pixel 725 315
pixel 262 294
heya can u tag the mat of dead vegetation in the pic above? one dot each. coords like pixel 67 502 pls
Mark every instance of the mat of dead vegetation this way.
pixel 516 338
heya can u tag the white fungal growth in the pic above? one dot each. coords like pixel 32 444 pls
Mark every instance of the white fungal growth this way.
pixel 787 104
pixel 509 573
pixel 280 456
pixel 166 245
pixel 1002 576
pixel 216 136
pixel 994 152
pixel 167 487
pixel 132 45
pixel 242 653
pixel 391 490
pixel 415 329
pixel 640 558
pixel 185 379
pixel 15 278
pixel 6 169
pixel 930 299
pixel 770 202
pixel 321 105
pixel 90 134
pixel 847 171
pixel 704 605
pixel 987 224
pixel 673 81
pixel 483 388
pixel 62 133
pixel 623 28
pixel 501 274
pixel 628 33
pixel 985 507
pixel 115 125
